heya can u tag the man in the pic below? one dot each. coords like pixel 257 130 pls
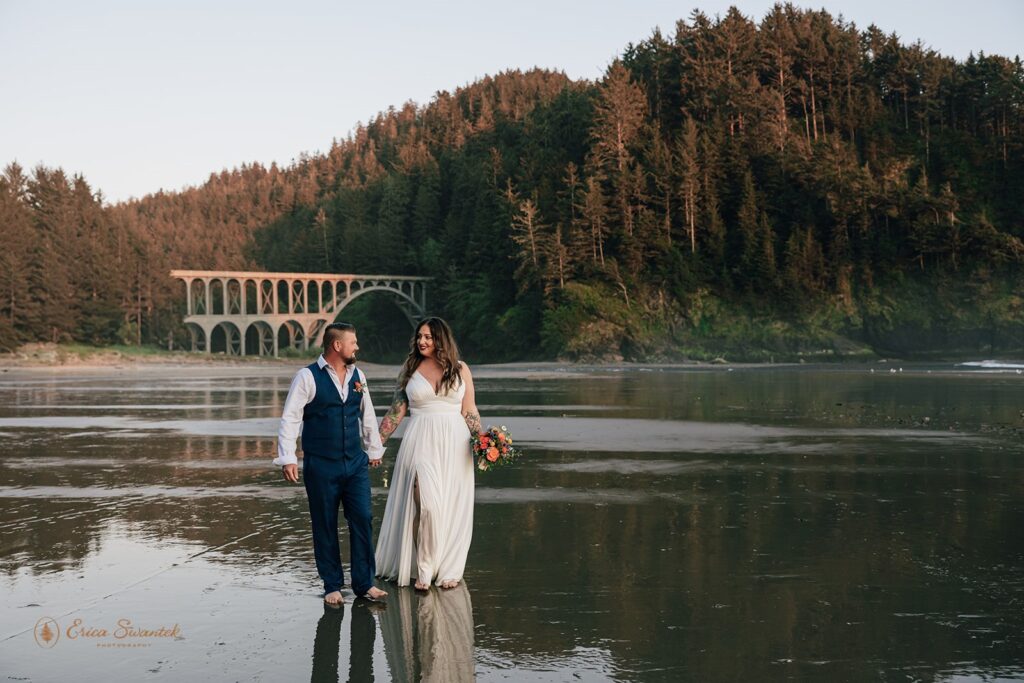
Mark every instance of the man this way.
pixel 329 401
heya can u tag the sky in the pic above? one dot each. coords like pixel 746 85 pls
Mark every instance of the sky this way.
pixel 140 96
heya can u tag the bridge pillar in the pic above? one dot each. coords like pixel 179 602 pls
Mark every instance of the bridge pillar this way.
pixel 208 332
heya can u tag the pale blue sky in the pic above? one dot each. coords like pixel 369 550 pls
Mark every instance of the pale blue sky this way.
pixel 140 95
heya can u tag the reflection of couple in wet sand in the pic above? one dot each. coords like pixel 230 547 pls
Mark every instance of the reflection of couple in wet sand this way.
pixel 427 636
pixel 428 521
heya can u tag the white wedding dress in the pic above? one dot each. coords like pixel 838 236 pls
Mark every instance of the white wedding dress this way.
pixel 435 451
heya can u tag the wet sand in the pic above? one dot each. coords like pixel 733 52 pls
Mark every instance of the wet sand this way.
pixel 670 523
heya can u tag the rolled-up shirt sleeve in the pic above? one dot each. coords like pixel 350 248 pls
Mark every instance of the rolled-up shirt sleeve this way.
pixel 371 436
pixel 301 392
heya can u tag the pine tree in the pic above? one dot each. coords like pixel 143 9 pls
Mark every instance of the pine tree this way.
pixel 748 246
pixel 17 235
pixel 777 49
pixel 689 178
pixel 618 123
pixel 526 234
pixel 594 212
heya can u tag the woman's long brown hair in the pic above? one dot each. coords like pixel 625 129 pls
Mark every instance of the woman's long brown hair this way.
pixel 446 353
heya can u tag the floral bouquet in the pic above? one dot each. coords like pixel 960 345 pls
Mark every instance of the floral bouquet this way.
pixel 493 447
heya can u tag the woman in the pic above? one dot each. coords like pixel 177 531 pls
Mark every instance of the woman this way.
pixel 428 521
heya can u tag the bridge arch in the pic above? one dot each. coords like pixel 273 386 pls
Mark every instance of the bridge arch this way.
pixel 215 296
pixel 410 308
pixel 197 291
pixel 250 296
pixel 234 295
pixel 292 335
pixel 282 295
pixel 327 294
pixel 226 338
pixel 198 336
pixel 315 331
pixel 259 339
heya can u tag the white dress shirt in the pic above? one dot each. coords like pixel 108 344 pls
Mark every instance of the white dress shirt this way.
pixel 301 393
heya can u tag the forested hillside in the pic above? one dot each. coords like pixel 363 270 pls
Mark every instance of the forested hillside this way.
pixel 739 188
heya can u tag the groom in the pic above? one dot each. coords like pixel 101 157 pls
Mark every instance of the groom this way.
pixel 329 401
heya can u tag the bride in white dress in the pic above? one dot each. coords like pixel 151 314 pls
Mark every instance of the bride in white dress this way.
pixel 428 521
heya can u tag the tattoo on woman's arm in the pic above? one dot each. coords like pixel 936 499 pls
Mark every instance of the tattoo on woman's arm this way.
pixel 473 421
pixel 390 423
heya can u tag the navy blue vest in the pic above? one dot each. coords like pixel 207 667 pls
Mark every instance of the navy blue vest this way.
pixel 330 427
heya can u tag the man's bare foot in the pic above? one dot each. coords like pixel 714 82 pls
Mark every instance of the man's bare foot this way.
pixel 375 593
pixel 450 583
pixel 421 586
pixel 334 598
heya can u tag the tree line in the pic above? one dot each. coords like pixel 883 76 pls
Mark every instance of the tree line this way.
pixel 790 184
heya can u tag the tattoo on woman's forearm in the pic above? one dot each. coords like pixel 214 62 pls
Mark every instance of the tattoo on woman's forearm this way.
pixel 390 422
pixel 473 422
pixel 394 417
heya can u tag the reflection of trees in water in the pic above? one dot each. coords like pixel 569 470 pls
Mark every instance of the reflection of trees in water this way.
pixel 763 565
pixel 769 396
pixel 44 536
pixel 761 558
pixel 429 636
pixel 49 534
pixel 55 535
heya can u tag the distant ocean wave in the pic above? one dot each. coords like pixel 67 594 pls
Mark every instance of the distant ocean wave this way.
pixel 995 364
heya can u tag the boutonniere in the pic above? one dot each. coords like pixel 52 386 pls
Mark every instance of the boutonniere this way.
pixel 358 386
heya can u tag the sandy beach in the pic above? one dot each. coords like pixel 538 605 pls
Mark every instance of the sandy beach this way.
pixel 144 530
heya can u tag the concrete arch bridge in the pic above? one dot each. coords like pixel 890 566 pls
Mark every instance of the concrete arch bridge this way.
pixel 250 313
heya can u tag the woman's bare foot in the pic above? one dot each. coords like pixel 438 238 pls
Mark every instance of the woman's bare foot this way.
pixel 421 586
pixel 450 583
pixel 334 598
pixel 375 593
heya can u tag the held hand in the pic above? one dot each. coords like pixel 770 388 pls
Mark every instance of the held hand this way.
pixel 377 462
pixel 290 473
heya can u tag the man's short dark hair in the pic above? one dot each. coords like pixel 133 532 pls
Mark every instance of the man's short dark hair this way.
pixel 334 331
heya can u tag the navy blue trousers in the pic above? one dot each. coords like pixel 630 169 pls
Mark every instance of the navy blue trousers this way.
pixel 346 482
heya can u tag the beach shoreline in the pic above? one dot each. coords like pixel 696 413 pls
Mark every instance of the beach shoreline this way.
pixel 44 356
pixel 37 359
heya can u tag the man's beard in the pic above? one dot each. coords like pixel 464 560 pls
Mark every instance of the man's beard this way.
pixel 351 360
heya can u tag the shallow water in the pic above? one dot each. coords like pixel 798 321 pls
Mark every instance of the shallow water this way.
pixel 807 523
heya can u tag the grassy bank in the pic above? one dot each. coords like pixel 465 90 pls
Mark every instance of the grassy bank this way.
pixel 43 354
pixel 924 318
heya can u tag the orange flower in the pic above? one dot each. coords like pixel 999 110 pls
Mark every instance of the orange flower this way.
pixel 492 453
pixel 501 436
